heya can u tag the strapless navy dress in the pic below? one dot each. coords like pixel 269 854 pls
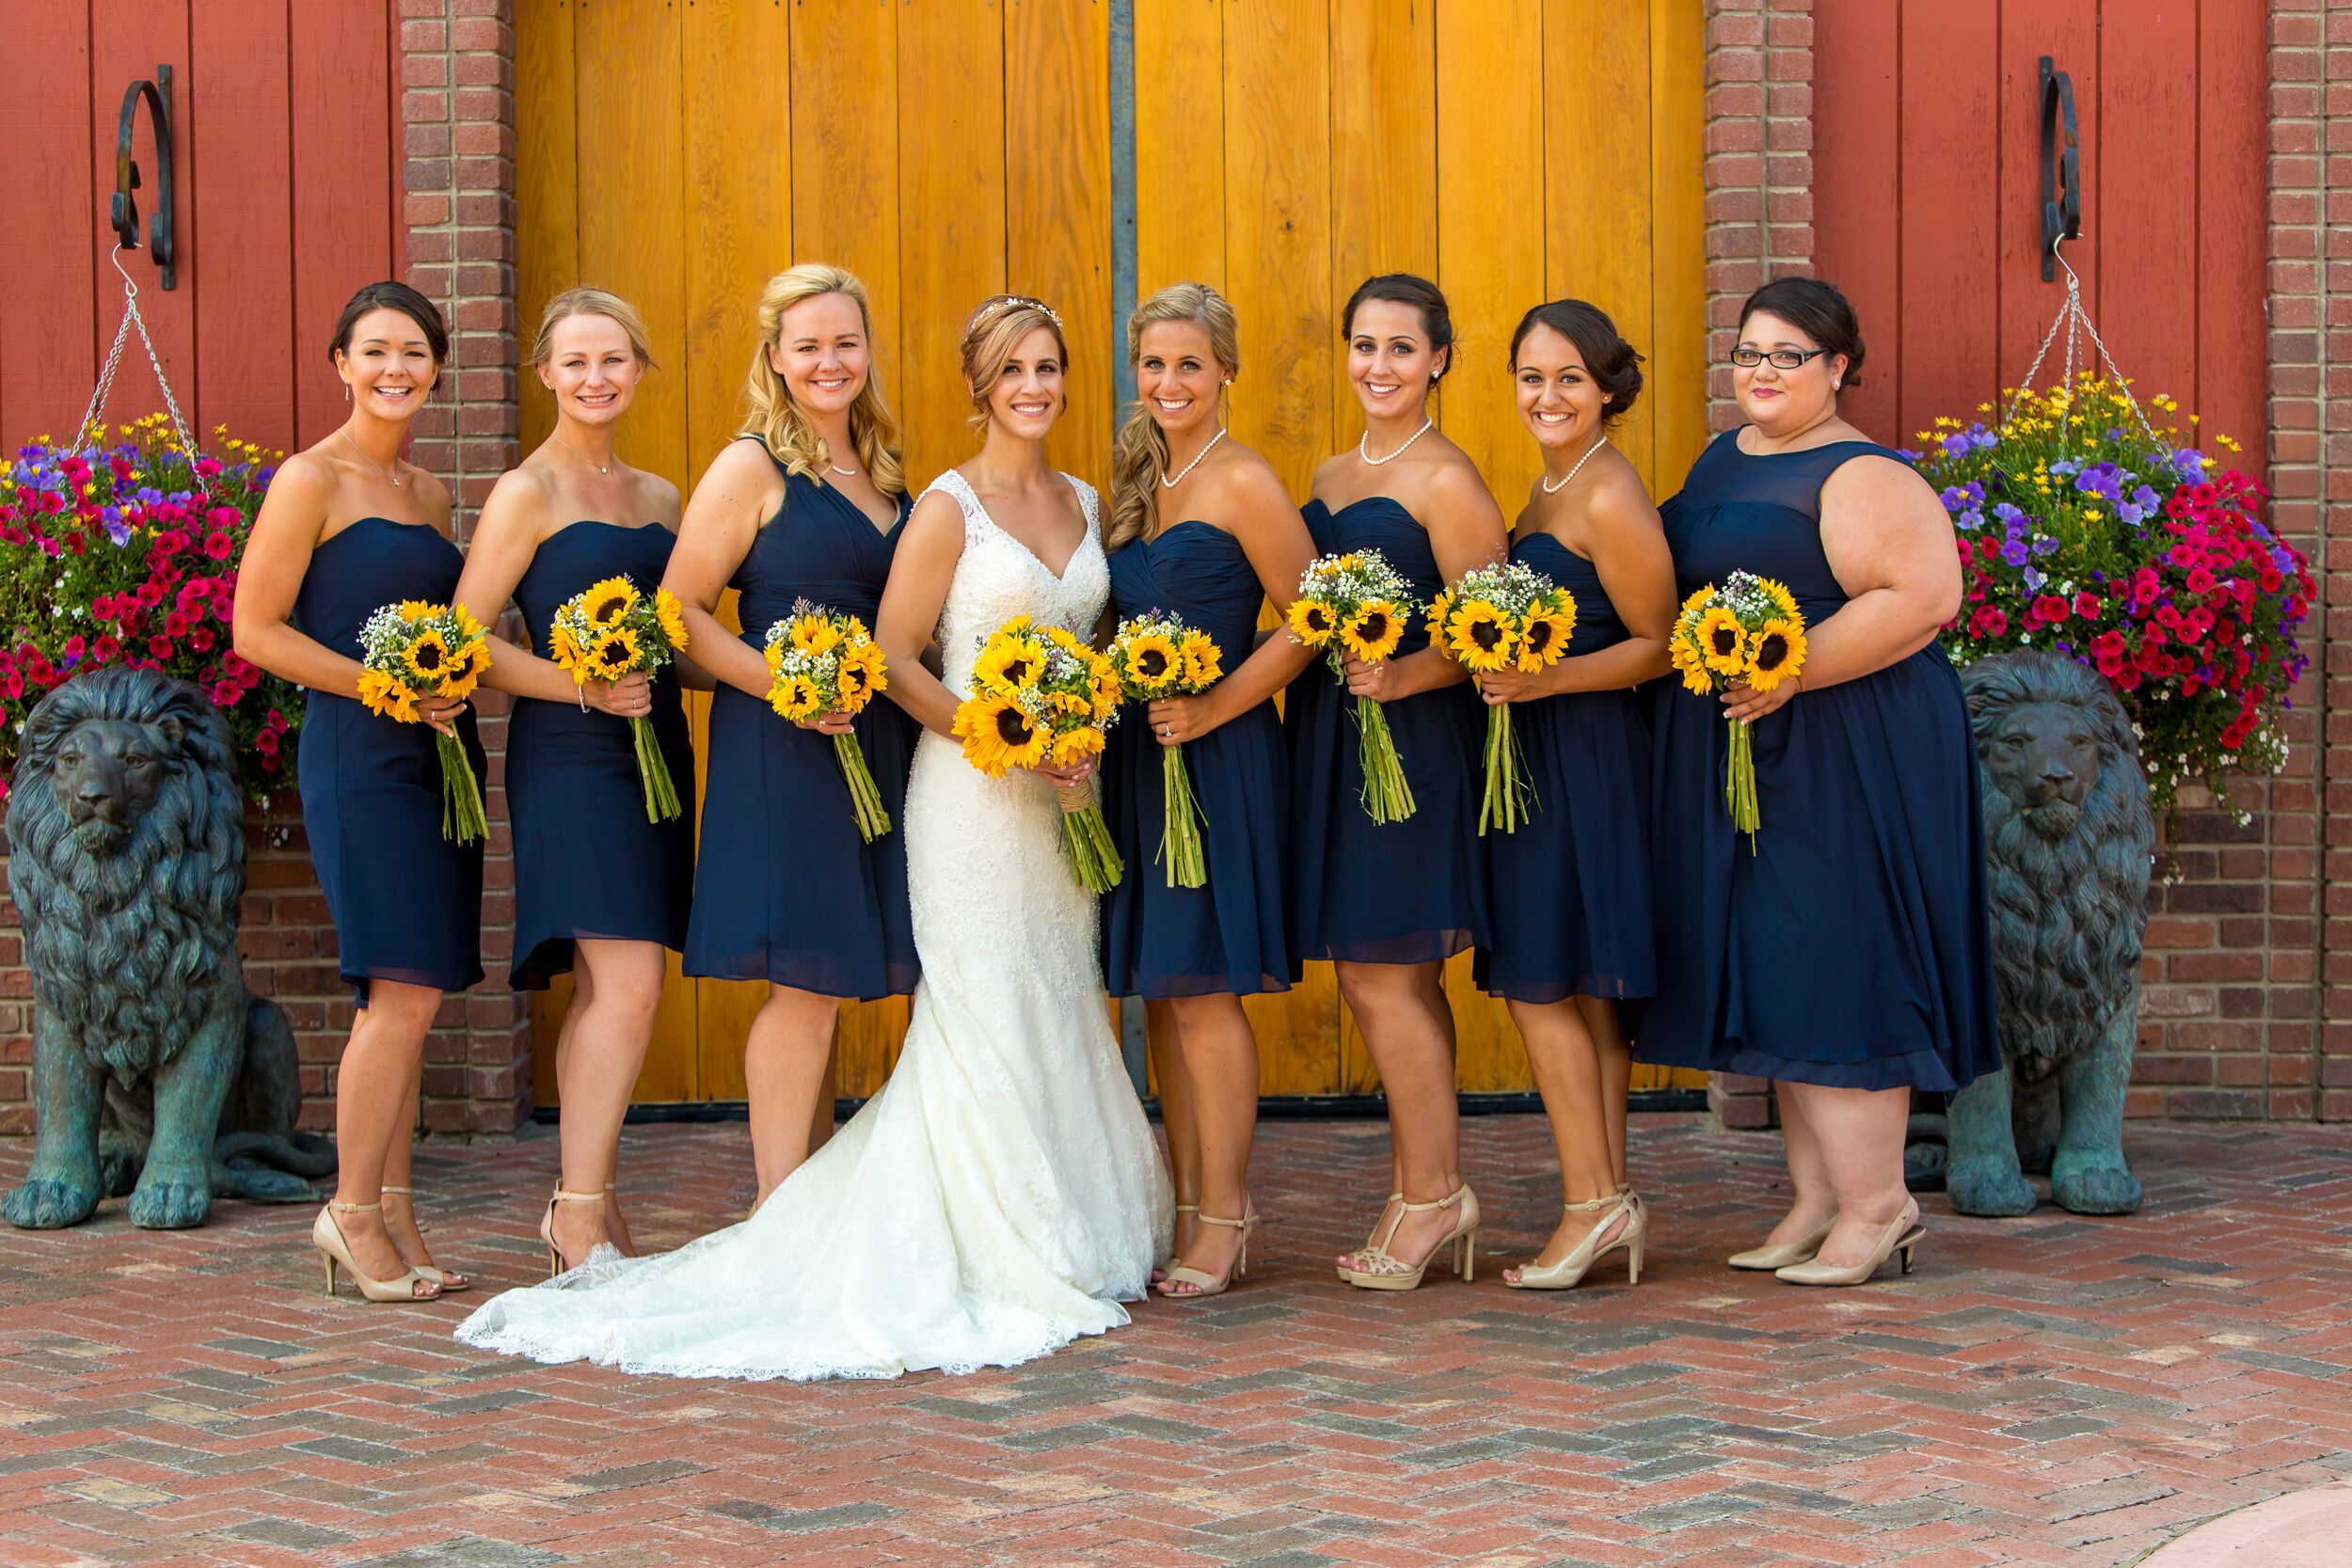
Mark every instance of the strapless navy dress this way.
pixel 785 890
pixel 1572 889
pixel 587 864
pixel 407 902
pixel 1852 949
pixel 1411 891
pixel 1226 936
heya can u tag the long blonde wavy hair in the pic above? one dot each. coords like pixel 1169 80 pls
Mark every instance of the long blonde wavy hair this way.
pixel 773 416
pixel 1139 455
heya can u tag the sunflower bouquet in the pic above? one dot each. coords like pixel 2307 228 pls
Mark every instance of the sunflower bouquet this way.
pixel 413 650
pixel 1504 617
pixel 1358 604
pixel 1040 695
pixel 611 629
pixel 1158 655
pixel 1748 632
pixel 823 661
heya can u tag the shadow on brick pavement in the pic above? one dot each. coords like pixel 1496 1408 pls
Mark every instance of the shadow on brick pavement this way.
pixel 2044 1390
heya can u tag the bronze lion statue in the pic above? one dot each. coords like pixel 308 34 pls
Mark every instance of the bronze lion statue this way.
pixel 154 1071
pixel 2067 842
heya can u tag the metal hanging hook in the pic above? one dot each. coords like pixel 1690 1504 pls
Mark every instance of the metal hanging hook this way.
pixel 123 213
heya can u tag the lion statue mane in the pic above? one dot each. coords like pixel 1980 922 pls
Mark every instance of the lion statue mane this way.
pixel 2067 841
pixel 155 1072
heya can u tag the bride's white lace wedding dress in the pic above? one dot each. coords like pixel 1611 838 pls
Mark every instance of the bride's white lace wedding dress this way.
pixel 1002 1194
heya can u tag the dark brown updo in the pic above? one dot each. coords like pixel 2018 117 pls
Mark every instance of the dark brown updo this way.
pixel 1404 288
pixel 1815 308
pixel 1613 364
pixel 392 296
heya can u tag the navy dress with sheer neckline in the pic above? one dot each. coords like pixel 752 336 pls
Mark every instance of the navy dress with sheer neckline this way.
pixel 1570 890
pixel 785 890
pixel 1851 948
pixel 587 864
pixel 407 902
pixel 1404 892
pixel 1226 936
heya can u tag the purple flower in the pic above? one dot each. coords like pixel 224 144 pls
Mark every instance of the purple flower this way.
pixel 2034 580
pixel 1969 520
pixel 2006 513
pixel 1955 445
pixel 2044 544
pixel 2191 464
pixel 1985 440
pixel 2064 466
pixel 1954 497
pixel 117 529
pixel 2014 552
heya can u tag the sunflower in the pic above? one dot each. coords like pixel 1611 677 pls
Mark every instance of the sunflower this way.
pixel 672 615
pixel 1782 599
pixel 1008 661
pixel 1774 653
pixel 1722 643
pixel 774 654
pixel 795 697
pixel 1375 631
pixel 565 650
pixel 427 655
pixel 1154 662
pixel 418 610
pixel 1684 656
pixel 815 634
pixel 1104 679
pixel 1482 637
pixel 1311 622
pixel 1203 664
pixel 1073 746
pixel 472 661
pixel 1544 634
pixel 860 676
pixel 383 692
pixel 614 654
pixel 998 735
pixel 1440 609
pixel 608 603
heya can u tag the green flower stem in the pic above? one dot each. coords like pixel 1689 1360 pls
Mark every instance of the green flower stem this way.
pixel 865 799
pixel 653 771
pixel 1092 855
pixel 1739 783
pixel 1387 796
pixel 461 817
pixel 1180 833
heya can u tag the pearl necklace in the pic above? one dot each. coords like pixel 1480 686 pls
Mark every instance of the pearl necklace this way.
pixel 392 474
pixel 600 467
pixel 1552 489
pixel 1168 483
pixel 1363 447
pixel 845 473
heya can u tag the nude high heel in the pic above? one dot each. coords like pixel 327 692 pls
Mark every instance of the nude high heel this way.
pixel 1380 1269
pixel 448 1279
pixel 1592 1249
pixel 1900 1236
pixel 328 1237
pixel 1204 1283
pixel 546 1228
pixel 1159 1270
pixel 1779 1254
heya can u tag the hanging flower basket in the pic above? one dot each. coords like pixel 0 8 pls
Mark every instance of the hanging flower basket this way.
pixel 2090 528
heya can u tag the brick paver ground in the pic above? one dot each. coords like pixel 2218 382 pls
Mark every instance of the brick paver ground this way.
pixel 2044 1390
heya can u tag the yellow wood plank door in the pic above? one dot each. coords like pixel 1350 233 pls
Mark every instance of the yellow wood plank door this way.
pixel 1282 150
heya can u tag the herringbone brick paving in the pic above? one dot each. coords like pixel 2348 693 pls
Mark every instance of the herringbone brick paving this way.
pixel 2045 1390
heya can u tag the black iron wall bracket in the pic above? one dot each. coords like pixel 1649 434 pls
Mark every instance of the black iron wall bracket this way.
pixel 124 214
pixel 2061 166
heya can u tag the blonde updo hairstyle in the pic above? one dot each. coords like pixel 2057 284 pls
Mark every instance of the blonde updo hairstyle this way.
pixel 585 301
pixel 1139 455
pixel 990 340
pixel 779 422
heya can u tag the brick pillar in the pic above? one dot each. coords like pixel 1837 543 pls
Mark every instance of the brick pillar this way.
pixel 1759 165
pixel 1759 177
pixel 457 123
pixel 2310 418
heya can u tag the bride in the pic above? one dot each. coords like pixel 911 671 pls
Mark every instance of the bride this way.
pixel 1002 1195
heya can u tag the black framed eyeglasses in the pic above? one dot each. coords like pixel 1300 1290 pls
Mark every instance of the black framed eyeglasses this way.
pixel 1781 358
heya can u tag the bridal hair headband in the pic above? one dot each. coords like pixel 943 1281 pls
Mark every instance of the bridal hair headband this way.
pixel 1007 302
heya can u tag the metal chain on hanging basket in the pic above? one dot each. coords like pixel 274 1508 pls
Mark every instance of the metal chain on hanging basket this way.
pixel 85 438
pixel 2077 324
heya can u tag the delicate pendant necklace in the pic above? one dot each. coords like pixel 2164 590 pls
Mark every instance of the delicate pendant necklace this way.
pixel 1552 489
pixel 845 473
pixel 600 467
pixel 1168 483
pixel 393 474
pixel 1363 447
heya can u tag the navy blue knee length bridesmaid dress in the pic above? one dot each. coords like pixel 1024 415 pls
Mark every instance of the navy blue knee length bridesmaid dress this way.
pixel 1404 892
pixel 587 864
pixel 1226 936
pixel 1851 948
pixel 407 902
pixel 785 890
pixel 1570 890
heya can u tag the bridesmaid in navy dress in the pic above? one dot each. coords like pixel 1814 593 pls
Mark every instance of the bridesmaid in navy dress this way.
pixel 1388 904
pixel 599 890
pixel 805 505
pixel 1201 529
pixel 347 528
pixel 1572 889
pixel 1848 958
